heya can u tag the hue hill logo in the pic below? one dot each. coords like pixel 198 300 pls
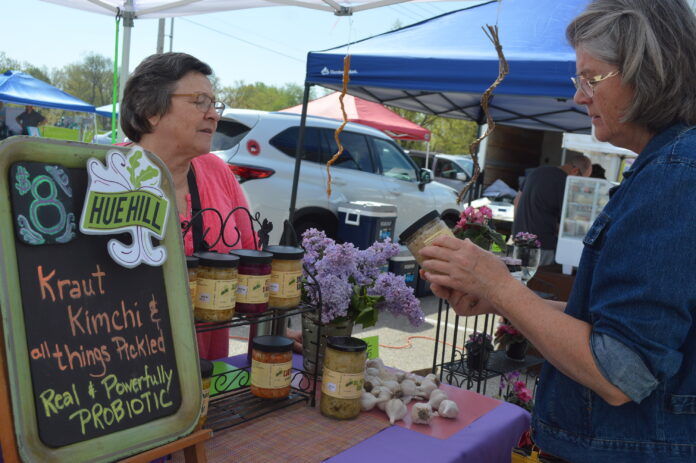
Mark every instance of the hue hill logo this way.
pixel 125 196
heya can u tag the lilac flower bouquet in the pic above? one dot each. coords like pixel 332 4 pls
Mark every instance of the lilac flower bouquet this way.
pixel 350 284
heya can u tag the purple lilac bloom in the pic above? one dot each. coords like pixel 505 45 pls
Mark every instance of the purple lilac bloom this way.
pixel 398 297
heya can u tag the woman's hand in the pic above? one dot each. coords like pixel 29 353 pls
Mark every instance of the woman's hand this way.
pixel 464 274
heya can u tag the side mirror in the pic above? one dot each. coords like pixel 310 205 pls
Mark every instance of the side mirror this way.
pixel 462 176
pixel 425 176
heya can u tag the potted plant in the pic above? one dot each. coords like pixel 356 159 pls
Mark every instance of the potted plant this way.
pixel 348 286
pixel 478 349
pixel 509 338
pixel 475 224
pixel 516 391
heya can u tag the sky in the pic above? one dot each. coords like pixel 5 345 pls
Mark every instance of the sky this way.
pixel 266 45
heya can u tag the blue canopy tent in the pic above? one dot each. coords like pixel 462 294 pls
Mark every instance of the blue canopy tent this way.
pixel 21 88
pixel 442 65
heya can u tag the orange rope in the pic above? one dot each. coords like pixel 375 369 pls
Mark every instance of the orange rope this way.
pixel 334 158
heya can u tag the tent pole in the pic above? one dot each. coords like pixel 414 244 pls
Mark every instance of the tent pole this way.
pixel 128 16
pixel 427 153
pixel 299 152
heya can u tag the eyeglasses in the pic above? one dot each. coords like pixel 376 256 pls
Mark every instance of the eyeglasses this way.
pixel 587 85
pixel 203 102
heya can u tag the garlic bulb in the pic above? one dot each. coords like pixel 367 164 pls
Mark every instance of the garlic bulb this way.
pixel 375 363
pixel 391 385
pixel 400 376
pixel 426 388
pixel 395 410
pixel 436 398
pixel 376 390
pixel 408 387
pixel 372 372
pixel 448 409
pixel 367 402
pixel 433 377
pixel 421 413
pixel 384 396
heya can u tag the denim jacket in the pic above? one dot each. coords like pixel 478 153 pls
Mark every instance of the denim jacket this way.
pixel 636 286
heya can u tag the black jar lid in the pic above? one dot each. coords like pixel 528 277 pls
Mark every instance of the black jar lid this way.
pixel 191 261
pixel 346 343
pixel 417 225
pixel 270 343
pixel 251 256
pixel 285 252
pixel 215 259
pixel 206 368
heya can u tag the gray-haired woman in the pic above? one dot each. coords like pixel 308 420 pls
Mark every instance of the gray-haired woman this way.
pixel 620 382
pixel 169 109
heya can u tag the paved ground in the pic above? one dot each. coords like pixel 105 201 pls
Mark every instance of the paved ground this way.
pixel 401 345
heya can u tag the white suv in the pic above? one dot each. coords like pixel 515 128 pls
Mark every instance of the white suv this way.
pixel 260 147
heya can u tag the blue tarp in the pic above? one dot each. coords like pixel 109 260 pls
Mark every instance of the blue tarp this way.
pixel 442 65
pixel 21 88
pixel 106 110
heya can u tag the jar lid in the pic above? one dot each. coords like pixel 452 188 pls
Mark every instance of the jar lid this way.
pixel 215 259
pixel 346 343
pixel 251 256
pixel 272 343
pixel 285 252
pixel 206 368
pixel 417 225
pixel 191 261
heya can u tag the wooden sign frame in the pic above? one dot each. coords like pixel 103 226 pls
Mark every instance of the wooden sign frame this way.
pixel 21 438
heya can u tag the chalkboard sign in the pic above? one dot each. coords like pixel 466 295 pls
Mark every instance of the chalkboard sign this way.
pixel 101 358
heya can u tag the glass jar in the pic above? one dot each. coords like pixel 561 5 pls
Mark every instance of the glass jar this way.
pixel 206 375
pixel 342 377
pixel 423 232
pixel 285 285
pixel 271 366
pixel 252 284
pixel 216 286
pixel 192 268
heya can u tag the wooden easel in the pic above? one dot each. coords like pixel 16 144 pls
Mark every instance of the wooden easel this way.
pixel 192 445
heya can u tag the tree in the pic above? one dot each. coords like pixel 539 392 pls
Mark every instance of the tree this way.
pixel 449 135
pixel 90 80
pixel 10 64
pixel 261 96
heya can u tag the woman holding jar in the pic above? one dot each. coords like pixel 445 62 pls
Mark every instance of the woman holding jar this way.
pixel 619 384
pixel 169 108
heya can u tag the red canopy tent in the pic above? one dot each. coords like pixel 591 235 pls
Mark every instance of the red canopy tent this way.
pixel 367 113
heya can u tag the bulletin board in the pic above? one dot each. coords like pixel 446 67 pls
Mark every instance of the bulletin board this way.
pixel 100 358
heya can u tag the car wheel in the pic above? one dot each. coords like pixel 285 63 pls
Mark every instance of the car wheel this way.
pixel 327 226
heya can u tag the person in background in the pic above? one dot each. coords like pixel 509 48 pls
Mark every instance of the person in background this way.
pixel 598 172
pixel 619 383
pixel 169 108
pixel 29 118
pixel 539 204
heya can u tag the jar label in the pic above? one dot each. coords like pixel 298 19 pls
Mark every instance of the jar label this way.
pixel 215 294
pixel 285 284
pixel 252 289
pixel 342 385
pixel 441 232
pixel 271 375
pixel 192 291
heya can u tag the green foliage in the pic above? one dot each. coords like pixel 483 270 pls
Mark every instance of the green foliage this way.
pixel 261 96
pixel 448 135
pixel 10 64
pixel 90 80
pixel 363 308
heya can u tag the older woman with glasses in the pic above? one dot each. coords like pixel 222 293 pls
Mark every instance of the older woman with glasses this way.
pixel 169 108
pixel 620 382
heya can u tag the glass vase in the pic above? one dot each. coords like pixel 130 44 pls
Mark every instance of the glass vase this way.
pixel 529 261
pixel 312 345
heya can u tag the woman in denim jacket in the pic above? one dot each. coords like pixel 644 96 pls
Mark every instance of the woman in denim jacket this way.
pixel 620 381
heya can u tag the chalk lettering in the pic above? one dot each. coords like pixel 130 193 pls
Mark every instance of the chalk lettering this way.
pixel 140 347
pixel 82 358
pixel 76 288
pixel 54 402
pixel 82 322
pixel 112 385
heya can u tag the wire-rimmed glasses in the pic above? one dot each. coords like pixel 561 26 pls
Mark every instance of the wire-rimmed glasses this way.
pixel 203 102
pixel 586 85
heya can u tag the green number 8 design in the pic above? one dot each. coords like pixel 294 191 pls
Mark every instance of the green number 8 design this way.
pixel 45 201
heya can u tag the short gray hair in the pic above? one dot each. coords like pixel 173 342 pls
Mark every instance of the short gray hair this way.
pixel 148 88
pixel 580 161
pixel 653 43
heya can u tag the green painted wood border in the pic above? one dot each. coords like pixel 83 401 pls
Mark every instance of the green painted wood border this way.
pixel 122 443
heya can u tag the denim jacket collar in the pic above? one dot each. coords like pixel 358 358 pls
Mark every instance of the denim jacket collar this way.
pixel 654 145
